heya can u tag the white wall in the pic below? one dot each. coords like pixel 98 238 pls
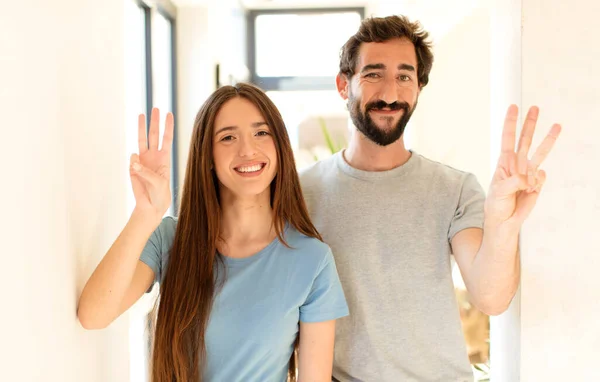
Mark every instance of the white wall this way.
pixel 195 73
pixel 207 34
pixel 64 185
pixel 451 122
pixel 560 300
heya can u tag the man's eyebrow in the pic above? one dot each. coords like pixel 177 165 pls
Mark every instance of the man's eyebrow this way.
pixel 406 67
pixel 383 67
pixel 372 67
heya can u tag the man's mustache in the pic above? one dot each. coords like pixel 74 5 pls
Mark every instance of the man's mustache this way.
pixel 392 106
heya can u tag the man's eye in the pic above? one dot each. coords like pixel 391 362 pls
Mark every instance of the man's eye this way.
pixel 372 75
pixel 404 78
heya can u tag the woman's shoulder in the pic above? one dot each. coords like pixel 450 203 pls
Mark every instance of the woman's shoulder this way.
pixel 306 248
pixel 169 223
pixel 165 232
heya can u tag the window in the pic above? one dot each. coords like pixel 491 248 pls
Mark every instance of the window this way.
pixel 150 74
pixel 288 49
pixel 163 83
pixel 135 76
pixel 292 58
pixel 150 82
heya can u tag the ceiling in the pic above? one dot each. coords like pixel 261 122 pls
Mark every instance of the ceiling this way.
pixel 280 3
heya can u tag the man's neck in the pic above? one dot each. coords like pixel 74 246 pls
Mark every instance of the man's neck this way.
pixel 363 154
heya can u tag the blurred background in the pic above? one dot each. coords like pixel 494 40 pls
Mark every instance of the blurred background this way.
pixel 76 73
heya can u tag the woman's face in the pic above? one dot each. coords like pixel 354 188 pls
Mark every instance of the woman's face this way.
pixel 244 153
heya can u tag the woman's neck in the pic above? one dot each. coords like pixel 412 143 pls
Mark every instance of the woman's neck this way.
pixel 245 222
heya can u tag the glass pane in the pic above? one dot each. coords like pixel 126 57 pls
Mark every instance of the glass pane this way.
pixel 135 80
pixel 303 50
pixel 162 73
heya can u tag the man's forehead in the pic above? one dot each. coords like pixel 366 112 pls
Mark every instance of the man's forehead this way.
pixel 392 52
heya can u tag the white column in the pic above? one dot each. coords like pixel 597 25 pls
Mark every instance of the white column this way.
pixel 505 86
pixel 560 300
pixel 546 53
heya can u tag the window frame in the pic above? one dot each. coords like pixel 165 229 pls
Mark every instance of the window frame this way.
pixel 289 82
pixel 166 9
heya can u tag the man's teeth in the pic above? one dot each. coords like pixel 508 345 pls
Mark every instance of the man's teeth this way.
pixel 254 168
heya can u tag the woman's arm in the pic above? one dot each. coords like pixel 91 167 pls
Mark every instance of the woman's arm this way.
pixel 120 279
pixel 315 352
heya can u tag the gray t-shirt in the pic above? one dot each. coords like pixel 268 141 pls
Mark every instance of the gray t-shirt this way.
pixel 390 234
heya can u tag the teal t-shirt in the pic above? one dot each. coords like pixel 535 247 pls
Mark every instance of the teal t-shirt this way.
pixel 255 316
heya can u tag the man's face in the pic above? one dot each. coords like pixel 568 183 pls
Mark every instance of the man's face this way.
pixel 383 92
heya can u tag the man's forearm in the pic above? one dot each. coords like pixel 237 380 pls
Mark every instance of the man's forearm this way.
pixel 496 269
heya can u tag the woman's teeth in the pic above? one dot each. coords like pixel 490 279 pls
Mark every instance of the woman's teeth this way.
pixel 254 168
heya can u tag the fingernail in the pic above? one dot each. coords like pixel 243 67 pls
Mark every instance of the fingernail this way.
pixel 136 166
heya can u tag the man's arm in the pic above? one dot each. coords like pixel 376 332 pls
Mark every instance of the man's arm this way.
pixel 489 266
pixel 489 259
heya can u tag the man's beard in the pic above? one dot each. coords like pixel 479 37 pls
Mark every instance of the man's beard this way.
pixel 367 126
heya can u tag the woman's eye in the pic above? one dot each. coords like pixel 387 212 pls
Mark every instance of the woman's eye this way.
pixel 227 138
pixel 262 133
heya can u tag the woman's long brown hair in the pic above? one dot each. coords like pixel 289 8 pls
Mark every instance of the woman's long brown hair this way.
pixel 189 285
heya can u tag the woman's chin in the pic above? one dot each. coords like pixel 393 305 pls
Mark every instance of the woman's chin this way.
pixel 249 192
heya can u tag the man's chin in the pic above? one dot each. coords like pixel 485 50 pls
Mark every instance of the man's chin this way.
pixel 385 126
pixel 383 142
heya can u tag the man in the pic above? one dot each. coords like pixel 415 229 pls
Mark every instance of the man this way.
pixel 394 217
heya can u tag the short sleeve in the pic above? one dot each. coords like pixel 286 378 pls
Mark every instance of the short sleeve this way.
pixel 326 300
pixel 469 211
pixel 157 247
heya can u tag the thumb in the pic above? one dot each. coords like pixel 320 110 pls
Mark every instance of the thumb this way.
pixel 527 200
pixel 144 173
pixel 525 203
pixel 511 186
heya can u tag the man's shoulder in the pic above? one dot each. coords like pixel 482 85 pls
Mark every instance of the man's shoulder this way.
pixel 318 172
pixel 440 171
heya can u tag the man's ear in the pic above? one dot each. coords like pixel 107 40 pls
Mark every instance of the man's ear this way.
pixel 342 83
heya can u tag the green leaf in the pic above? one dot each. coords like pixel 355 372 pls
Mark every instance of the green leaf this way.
pixel 327 136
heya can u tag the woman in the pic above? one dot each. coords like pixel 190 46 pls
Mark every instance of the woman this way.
pixel 244 275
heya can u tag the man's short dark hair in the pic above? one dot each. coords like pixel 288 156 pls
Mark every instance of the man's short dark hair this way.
pixel 380 29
